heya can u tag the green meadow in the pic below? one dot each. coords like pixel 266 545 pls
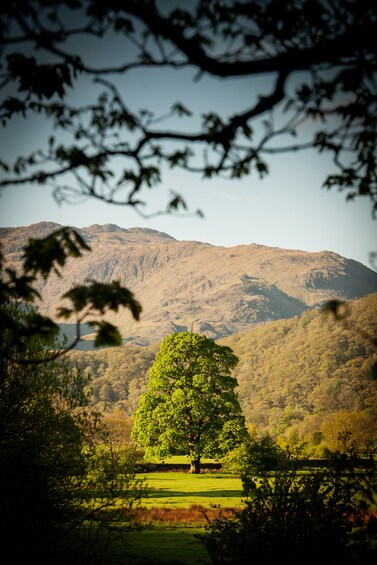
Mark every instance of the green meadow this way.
pixel 182 490
pixel 175 511
pixel 173 515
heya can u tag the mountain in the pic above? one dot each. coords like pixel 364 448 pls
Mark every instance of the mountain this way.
pixel 191 285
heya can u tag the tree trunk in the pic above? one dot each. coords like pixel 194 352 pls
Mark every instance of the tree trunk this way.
pixel 195 466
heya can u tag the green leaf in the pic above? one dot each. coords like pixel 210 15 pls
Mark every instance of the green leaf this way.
pixel 247 131
pixel 176 203
pixel 19 286
pixel 64 312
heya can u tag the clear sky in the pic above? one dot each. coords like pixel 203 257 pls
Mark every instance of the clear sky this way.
pixel 286 209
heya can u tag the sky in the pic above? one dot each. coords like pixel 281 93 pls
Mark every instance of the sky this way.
pixel 287 209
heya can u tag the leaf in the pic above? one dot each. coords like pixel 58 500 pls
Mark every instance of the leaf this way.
pixel 209 172
pixel 334 307
pixel 38 325
pixel 42 255
pixel 64 312
pixel 123 24
pixel 4 166
pixel 101 297
pixel 19 286
pixel 176 203
pixel 106 334
pixel 247 131
pixel 261 167
pixel 43 80
pixel 180 109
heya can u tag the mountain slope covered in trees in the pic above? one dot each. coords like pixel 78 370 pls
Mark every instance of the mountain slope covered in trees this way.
pixel 293 374
pixel 189 285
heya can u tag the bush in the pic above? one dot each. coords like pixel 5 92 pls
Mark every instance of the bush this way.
pixel 253 458
pixel 54 477
pixel 294 518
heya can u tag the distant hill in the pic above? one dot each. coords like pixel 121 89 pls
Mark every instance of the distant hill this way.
pixel 293 373
pixel 190 285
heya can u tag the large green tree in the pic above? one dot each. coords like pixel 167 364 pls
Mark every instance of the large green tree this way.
pixel 190 406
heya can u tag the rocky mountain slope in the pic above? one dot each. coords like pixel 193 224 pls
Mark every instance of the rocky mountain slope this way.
pixel 189 285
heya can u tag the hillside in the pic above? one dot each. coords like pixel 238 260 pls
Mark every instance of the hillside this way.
pixel 189 285
pixel 292 374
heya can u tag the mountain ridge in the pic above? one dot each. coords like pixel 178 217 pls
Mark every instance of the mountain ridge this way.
pixel 192 285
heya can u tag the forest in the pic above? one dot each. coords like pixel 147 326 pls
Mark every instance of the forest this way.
pixel 295 376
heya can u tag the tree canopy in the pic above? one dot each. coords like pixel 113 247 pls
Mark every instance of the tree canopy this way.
pixel 54 454
pixel 317 59
pixel 190 406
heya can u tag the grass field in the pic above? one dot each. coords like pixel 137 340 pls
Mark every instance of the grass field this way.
pixel 157 546
pixel 182 490
pixel 176 510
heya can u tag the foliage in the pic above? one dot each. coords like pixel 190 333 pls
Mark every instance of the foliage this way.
pixel 49 462
pixel 294 517
pixel 40 450
pixel 293 375
pixel 111 483
pixel 190 406
pixel 344 431
pixel 107 150
pixel 40 258
pixel 319 57
pixel 119 375
pixel 118 427
pixel 256 456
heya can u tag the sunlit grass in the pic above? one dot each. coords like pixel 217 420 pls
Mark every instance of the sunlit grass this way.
pixel 182 490
pixel 168 517
pixel 176 509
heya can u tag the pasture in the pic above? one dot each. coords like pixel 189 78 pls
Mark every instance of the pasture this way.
pixel 176 510
pixel 172 517
pixel 182 490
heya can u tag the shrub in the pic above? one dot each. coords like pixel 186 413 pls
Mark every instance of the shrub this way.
pixel 257 456
pixel 294 518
